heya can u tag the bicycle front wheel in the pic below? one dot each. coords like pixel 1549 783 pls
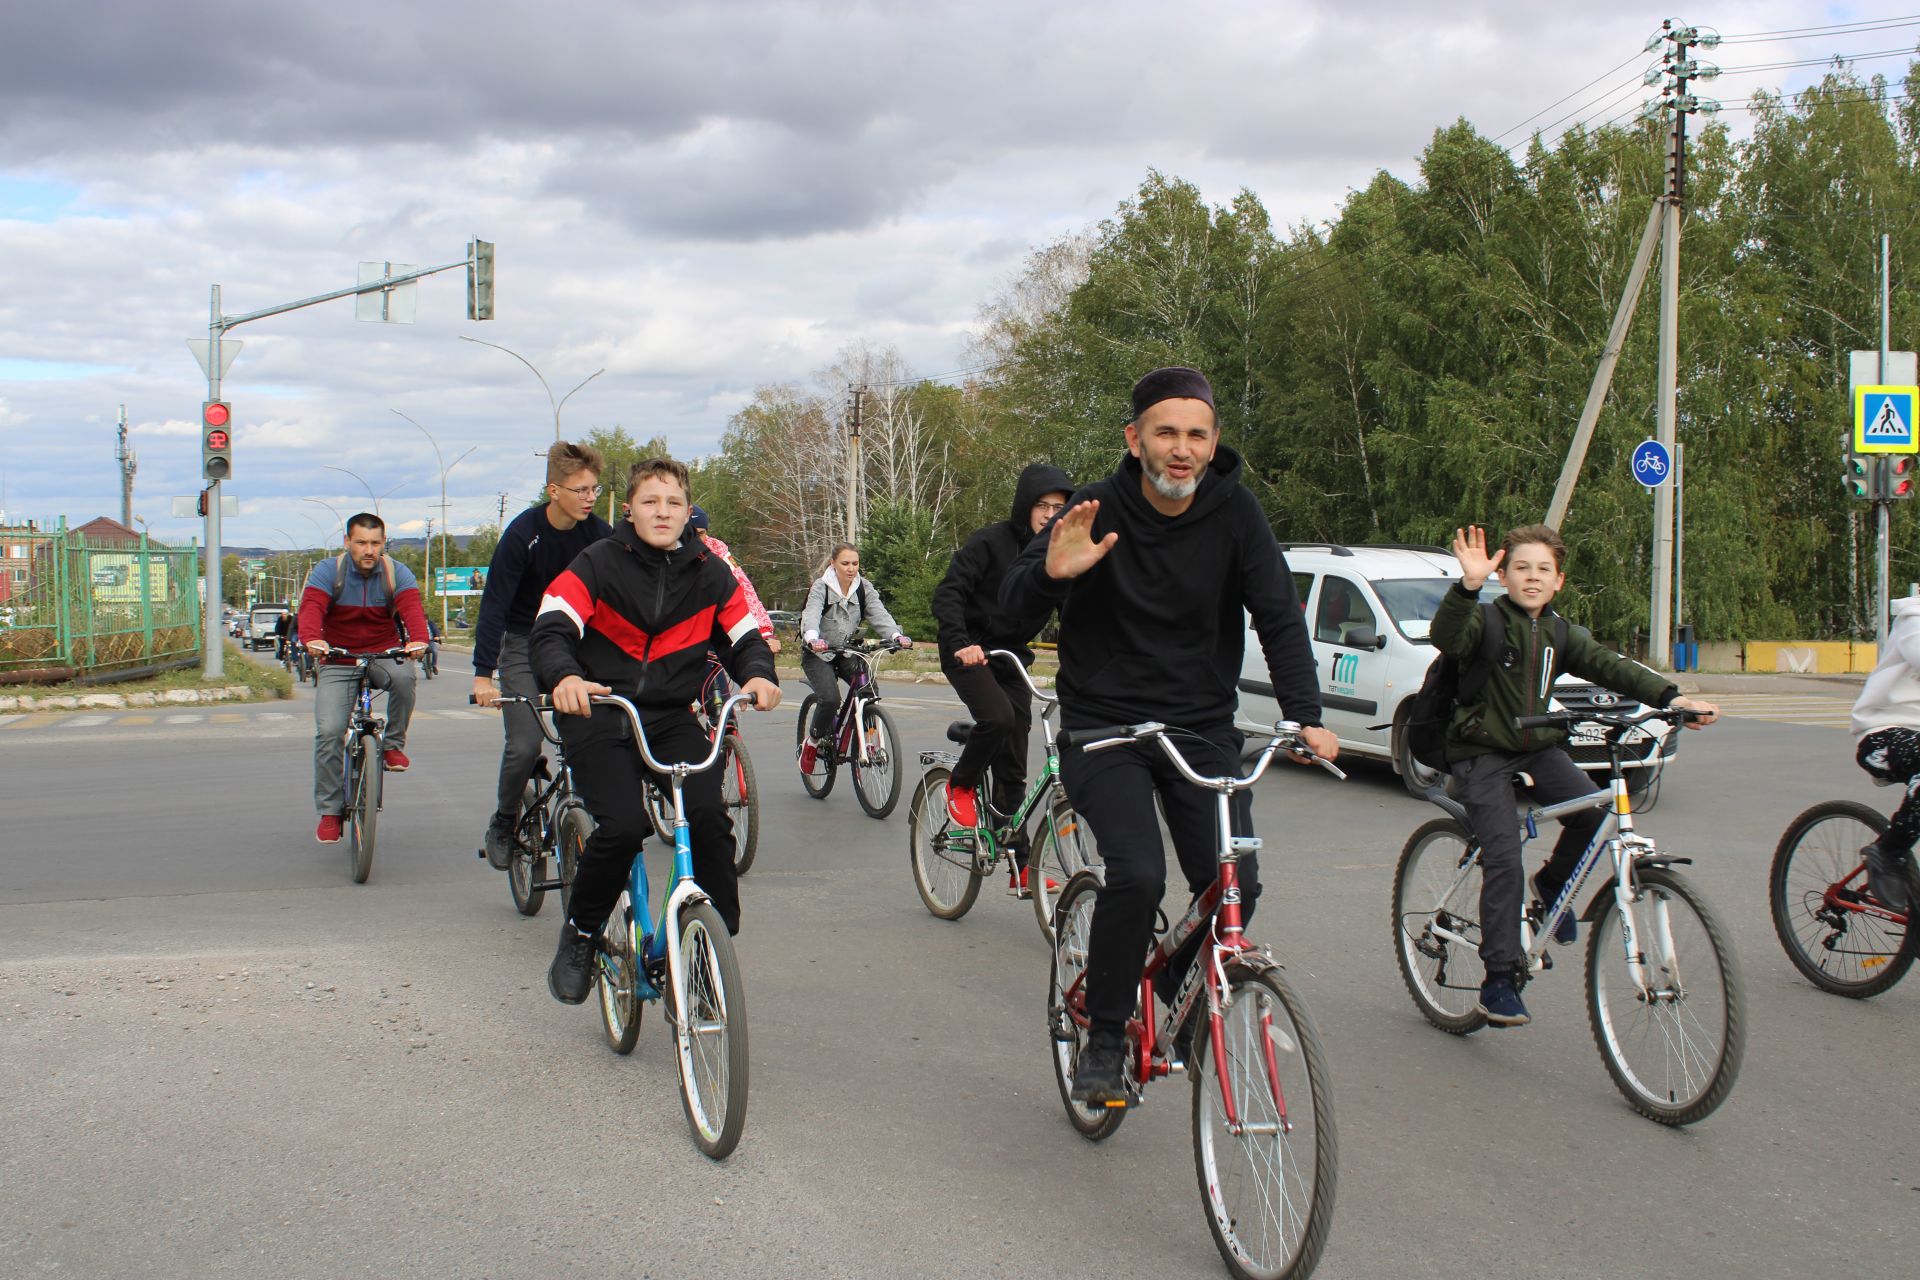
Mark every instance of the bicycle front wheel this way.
pixel 1673 1050
pixel 710 1015
pixel 1067 1004
pixel 1064 850
pixel 527 860
pixel 944 867
pixel 1264 1141
pixel 576 827
pixel 363 807
pixel 819 779
pixel 1436 926
pixel 619 980
pixel 1838 935
pixel 740 791
pixel 876 780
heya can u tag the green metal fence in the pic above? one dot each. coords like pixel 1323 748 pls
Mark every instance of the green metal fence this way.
pixel 87 605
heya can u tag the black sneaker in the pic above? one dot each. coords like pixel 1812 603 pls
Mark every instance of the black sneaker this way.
pixel 1886 875
pixel 1183 1038
pixel 1099 1077
pixel 570 976
pixel 1500 1002
pixel 1567 931
pixel 500 841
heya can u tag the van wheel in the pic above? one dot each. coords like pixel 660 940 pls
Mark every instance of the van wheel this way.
pixel 1417 778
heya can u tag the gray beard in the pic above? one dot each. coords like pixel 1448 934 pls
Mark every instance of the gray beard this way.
pixel 1171 490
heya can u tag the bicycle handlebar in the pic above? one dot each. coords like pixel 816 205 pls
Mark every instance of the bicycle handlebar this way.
pixel 397 654
pixel 1025 675
pixel 640 731
pixel 1567 719
pixel 862 649
pixel 1285 737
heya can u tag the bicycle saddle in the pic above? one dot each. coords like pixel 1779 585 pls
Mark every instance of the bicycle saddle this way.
pixel 959 731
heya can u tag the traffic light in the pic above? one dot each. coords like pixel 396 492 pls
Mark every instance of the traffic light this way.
pixel 1897 475
pixel 216 440
pixel 1862 475
pixel 479 280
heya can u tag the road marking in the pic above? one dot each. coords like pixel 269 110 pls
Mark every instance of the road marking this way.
pixel 1817 710
pixel 137 719
pixel 86 722
pixel 7 720
pixel 457 715
pixel 187 718
pixel 276 715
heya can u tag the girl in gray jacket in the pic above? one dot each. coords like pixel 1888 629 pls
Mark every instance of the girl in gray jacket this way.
pixel 837 603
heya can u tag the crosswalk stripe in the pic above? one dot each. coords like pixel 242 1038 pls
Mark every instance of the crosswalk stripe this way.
pixel 186 718
pixel 86 722
pixel 7 720
pixel 459 715
pixel 276 715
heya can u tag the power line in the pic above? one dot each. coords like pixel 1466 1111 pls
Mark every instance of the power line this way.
pixel 1632 58
pixel 1810 33
pixel 1818 62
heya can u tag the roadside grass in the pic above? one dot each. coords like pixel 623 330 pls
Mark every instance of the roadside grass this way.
pixel 263 681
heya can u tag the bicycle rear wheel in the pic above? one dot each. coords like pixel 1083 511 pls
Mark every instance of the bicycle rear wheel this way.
pixel 710 1025
pixel 740 791
pixel 1436 926
pixel 1835 931
pixel 1066 1004
pixel 819 780
pixel 527 860
pixel 363 806
pixel 576 827
pixel 618 979
pixel 1064 850
pixel 1267 1177
pixel 876 780
pixel 945 869
pixel 1675 1052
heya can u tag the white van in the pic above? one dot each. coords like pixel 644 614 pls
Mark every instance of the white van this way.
pixel 1368 609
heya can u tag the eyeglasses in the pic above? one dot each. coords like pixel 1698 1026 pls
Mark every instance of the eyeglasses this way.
pixel 584 491
pixel 1049 508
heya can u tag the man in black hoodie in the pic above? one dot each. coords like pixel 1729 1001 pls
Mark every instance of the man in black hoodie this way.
pixel 1151 569
pixel 635 614
pixel 966 605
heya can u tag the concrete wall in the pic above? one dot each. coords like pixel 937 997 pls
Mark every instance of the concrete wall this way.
pixel 1821 657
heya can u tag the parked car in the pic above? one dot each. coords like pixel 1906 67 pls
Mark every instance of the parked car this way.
pixel 261 621
pixel 1368 609
pixel 783 619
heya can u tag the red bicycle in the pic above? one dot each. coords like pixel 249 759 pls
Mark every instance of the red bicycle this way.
pixel 1837 933
pixel 1264 1142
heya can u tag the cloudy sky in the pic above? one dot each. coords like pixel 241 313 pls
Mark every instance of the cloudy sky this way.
pixel 698 197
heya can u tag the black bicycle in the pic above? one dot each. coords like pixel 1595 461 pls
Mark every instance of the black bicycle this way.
pixel 554 822
pixel 862 736
pixel 364 733
pixel 739 785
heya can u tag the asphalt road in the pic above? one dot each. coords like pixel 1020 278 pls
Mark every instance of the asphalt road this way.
pixel 226 1060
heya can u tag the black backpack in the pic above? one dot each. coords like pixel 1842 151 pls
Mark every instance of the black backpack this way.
pixel 1447 687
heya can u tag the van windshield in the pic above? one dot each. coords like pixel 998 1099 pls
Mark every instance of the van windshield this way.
pixel 1411 602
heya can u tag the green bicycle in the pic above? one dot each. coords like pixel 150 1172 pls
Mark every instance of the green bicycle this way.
pixel 950 861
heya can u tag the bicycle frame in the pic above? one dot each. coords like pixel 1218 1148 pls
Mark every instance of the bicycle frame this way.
pixel 849 732
pixel 550 802
pixel 999 834
pixel 1628 850
pixel 653 945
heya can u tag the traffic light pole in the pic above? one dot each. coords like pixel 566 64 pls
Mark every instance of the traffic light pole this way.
pixel 1883 504
pixel 479 266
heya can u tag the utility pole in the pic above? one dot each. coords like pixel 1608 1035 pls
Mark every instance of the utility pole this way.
pixel 123 453
pixel 1883 505
pixel 502 516
pixel 1660 626
pixel 855 406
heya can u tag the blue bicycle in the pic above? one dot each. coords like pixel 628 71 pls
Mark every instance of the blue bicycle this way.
pixel 691 963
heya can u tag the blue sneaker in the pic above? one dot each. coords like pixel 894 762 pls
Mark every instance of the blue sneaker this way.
pixel 1500 1002
pixel 1567 931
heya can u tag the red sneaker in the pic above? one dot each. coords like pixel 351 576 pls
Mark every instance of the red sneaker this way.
pixel 328 832
pixel 395 760
pixel 809 756
pixel 1020 887
pixel 961 806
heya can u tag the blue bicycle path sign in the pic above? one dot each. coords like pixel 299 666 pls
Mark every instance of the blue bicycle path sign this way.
pixel 1651 463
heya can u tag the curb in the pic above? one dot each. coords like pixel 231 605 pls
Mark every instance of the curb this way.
pixel 123 701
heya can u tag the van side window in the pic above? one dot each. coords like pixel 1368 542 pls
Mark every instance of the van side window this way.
pixel 1343 611
pixel 1303 587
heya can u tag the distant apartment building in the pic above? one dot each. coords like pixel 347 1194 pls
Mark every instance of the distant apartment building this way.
pixel 18 545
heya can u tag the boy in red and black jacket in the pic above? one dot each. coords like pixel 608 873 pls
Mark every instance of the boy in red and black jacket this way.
pixel 635 615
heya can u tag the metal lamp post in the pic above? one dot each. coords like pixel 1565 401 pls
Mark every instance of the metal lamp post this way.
pixel 446 467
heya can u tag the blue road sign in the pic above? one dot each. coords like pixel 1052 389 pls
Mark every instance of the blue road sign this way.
pixel 1651 463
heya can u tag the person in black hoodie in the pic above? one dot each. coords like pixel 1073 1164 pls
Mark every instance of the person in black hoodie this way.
pixel 635 615
pixel 1151 569
pixel 966 605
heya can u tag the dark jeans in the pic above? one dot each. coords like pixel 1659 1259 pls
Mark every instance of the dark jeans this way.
pixel 1113 792
pixel 1484 785
pixel 825 678
pixel 608 773
pixel 520 723
pixel 1893 755
pixel 1002 711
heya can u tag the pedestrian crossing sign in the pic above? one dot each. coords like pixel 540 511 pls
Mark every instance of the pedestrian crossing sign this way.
pixel 1883 419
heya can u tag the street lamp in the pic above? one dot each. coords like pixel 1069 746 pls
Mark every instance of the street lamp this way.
pixel 543 382
pixel 369 488
pixel 332 509
pixel 444 468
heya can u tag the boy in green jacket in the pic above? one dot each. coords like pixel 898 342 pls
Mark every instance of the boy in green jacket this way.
pixel 1485 748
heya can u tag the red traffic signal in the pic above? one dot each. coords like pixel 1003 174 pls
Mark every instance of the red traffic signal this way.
pixel 1899 475
pixel 216 442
